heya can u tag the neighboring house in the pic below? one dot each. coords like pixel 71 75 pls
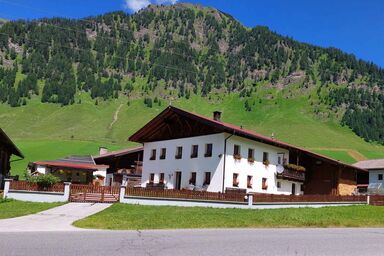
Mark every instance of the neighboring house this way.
pixel 75 169
pixel 376 171
pixel 183 150
pixel 124 165
pixel 7 149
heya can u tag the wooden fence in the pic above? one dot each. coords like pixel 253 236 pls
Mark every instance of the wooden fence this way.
pixel 185 194
pixel 32 186
pixel 261 198
pixel 376 200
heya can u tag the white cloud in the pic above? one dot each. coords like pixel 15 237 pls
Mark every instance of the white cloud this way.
pixel 136 5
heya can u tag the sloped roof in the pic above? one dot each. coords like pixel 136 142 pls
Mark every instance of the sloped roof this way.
pixel 118 153
pixel 220 126
pixel 5 140
pixel 75 162
pixel 370 164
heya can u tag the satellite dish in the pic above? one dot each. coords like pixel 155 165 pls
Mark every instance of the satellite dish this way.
pixel 279 169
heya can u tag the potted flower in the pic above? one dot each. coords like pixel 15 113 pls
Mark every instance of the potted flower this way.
pixel 237 157
pixel 251 160
pixel 266 163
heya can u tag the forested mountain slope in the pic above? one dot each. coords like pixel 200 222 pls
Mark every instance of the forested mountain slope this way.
pixel 179 52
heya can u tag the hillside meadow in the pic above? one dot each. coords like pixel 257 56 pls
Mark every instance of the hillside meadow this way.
pixel 49 131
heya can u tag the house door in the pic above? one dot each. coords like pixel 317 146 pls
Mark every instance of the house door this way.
pixel 293 189
pixel 178 180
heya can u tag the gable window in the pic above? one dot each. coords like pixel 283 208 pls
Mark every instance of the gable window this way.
pixel 235 180
pixel 153 154
pixel 179 153
pixel 380 177
pixel 195 151
pixel 236 152
pixel 192 180
pixel 208 150
pixel 161 178
pixel 207 179
pixel 251 155
pixel 265 158
pixel 264 184
pixel 151 177
pixel 163 153
pixel 249 181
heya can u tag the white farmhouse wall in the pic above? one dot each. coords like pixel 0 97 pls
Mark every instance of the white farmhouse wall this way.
pixel 374 176
pixel 256 169
pixel 186 164
pixel 215 164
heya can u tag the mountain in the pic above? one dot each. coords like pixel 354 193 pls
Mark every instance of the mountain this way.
pixel 79 79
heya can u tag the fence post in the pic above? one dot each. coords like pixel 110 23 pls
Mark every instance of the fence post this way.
pixel 368 199
pixel 67 190
pixel 122 192
pixel 7 183
pixel 250 199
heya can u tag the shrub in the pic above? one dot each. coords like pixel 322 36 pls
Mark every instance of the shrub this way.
pixel 45 180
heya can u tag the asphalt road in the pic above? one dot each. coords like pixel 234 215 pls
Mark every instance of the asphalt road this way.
pixel 197 242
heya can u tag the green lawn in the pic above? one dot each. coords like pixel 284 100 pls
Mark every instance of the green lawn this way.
pixel 134 217
pixel 13 208
pixel 338 155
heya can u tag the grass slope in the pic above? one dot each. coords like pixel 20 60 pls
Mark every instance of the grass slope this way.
pixel 48 131
pixel 136 217
pixel 12 208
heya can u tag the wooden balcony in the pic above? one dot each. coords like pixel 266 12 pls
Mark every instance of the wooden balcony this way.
pixel 289 174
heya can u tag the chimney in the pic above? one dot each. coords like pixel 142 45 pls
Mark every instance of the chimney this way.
pixel 103 151
pixel 217 116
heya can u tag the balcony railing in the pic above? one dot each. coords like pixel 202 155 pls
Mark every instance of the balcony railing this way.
pixel 289 174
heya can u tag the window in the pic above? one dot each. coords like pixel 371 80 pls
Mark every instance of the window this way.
pixel 251 155
pixel 249 181
pixel 153 154
pixel 163 153
pixel 151 177
pixel 179 152
pixel 236 152
pixel 265 158
pixel 195 151
pixel 235 181
pixel 207 179
pixel 208 150
pixel 280 158
pixel 380 177
pixel 161 178
pixel 192 180
pixel 264 184
pixel 278 184
pixel 302 187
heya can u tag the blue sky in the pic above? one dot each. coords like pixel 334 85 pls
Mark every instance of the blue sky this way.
pixel 355 26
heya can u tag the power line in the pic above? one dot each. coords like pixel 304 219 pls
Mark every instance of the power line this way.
pixel 110 38
pixel 87 50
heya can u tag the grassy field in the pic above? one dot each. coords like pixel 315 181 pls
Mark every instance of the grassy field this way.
pixel 12 208
pixel 135 217
pixel 49 131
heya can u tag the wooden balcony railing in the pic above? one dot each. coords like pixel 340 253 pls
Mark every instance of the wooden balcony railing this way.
pixel 291 175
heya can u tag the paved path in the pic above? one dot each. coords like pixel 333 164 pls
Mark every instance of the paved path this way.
pixel 222 242
pixel 55 219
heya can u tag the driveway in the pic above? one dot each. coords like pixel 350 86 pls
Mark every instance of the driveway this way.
pixel 223 242
pixel 55 219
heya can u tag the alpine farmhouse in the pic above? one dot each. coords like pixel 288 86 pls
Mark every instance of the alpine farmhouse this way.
pixel 184 150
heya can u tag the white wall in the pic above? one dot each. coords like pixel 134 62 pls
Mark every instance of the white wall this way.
pixel 214 164
pixel 186 165
pixel 256 169
pixel 373 176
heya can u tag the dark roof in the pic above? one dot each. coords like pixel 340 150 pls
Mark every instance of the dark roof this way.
pixel 5 140
pixel 220 126
pixel 121 152
pixel 76 162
